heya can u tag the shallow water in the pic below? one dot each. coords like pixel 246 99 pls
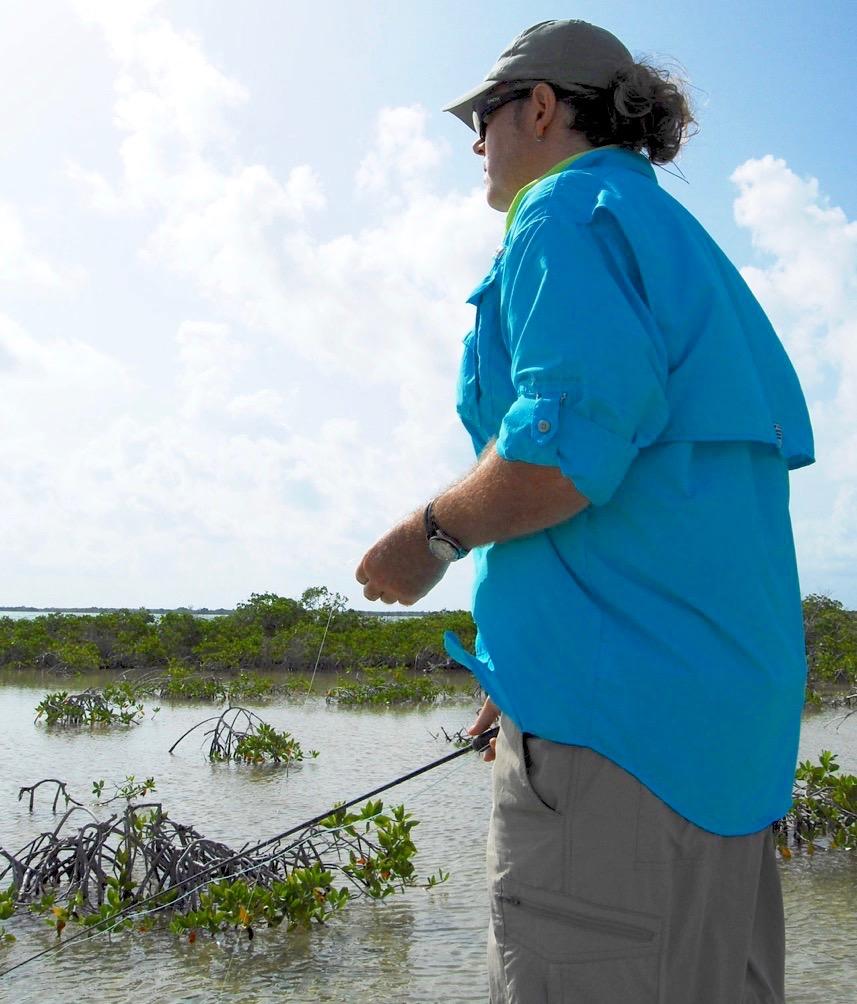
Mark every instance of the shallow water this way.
pixel 425 946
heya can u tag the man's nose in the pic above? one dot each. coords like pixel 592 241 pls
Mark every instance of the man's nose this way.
pixel 479 147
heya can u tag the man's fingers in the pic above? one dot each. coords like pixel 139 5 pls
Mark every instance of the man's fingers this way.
pixel 372 592
pixel 488 714
pixel 490 753
pixel 360 574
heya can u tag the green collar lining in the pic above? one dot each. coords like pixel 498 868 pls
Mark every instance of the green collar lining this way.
pixel 561 166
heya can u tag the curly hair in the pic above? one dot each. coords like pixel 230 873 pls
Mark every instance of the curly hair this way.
pixel 643 108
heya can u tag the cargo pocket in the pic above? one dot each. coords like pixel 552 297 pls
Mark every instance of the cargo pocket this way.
pixel 586 951
pixel 632 980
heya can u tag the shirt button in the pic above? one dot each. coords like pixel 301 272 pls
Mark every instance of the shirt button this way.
pixel 544 426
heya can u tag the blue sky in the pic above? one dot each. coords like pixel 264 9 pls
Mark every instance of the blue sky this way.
pixel 235 245
pixel 768 77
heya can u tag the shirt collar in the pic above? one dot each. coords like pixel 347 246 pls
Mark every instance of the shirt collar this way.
pixel 644 167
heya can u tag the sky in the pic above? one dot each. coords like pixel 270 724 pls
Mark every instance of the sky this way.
pixel 236 243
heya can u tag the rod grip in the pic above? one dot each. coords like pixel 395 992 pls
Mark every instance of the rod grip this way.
pixel 480 743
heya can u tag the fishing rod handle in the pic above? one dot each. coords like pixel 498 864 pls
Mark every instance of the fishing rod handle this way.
pixel 480 743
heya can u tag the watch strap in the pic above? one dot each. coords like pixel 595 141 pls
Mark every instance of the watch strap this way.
pixel 434 532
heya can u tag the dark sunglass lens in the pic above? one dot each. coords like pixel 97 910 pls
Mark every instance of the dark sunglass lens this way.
pixel 491 106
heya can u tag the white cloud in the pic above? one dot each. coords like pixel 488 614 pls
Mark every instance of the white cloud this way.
pixel 403 157
pixel 210 358
pixel 167 88
pixel 54 379
pixel 57 398
pixel 96 495
pixel 267 405
pixel 809 289
pixel 21 265
pixel 249 479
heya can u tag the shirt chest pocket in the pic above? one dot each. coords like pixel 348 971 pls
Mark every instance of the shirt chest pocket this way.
pixel 485 389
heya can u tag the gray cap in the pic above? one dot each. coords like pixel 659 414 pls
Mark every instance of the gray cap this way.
pixel 561 52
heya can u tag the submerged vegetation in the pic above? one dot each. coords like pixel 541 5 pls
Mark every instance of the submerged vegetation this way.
pixel 182 682
pixel 382 687
pixel 132 869
pixel 128 789
pixel 240 734
pixel 111 706
pixel 123 704
pixel 824 812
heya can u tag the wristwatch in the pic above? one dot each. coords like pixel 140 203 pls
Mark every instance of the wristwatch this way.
pixel 441 544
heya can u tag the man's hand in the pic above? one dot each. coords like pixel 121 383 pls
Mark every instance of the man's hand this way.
pixel 399 568
pixel 484 720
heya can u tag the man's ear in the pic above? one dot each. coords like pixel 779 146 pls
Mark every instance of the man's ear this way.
pixel 546 102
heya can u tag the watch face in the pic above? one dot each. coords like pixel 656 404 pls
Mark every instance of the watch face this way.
pixel 442 549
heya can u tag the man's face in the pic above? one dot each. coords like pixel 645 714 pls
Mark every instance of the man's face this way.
pixel 506 152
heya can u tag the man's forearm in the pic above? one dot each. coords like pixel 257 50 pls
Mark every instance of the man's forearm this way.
pixel 502 499
pixel 497 501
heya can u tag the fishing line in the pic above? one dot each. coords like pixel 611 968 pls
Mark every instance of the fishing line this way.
pixel 478 744
pixel 134 917
pixel 417 795
pixel 306 698
pixel 412 799
pixel 673 174
pixel 320 647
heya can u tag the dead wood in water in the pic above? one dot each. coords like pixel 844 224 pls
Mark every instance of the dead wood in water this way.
pixel 60 790
pixel 105 868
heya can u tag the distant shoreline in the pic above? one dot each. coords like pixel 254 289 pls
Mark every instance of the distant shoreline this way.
pixel 113 610
pixel 196 611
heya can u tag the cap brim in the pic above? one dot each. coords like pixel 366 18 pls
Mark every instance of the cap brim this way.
pixel 462 108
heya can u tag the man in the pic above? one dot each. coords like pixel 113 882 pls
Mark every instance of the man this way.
pixel 636 596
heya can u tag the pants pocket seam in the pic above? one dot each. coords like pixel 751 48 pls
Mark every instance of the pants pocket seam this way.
pixel 517 750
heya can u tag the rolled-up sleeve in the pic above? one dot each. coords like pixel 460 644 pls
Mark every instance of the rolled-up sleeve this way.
pixel 588 364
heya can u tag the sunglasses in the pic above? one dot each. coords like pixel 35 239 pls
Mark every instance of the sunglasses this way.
pixel 480 115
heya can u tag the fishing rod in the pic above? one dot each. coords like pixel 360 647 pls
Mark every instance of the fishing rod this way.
pixel 477 745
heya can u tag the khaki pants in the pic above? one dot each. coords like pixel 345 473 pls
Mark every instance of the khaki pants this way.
pixel 600 893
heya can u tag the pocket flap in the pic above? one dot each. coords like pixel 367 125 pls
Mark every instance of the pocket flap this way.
pixel 479 290
pixel 565 927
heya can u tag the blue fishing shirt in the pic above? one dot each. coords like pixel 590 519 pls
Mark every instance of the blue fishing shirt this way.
pixel 662 625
